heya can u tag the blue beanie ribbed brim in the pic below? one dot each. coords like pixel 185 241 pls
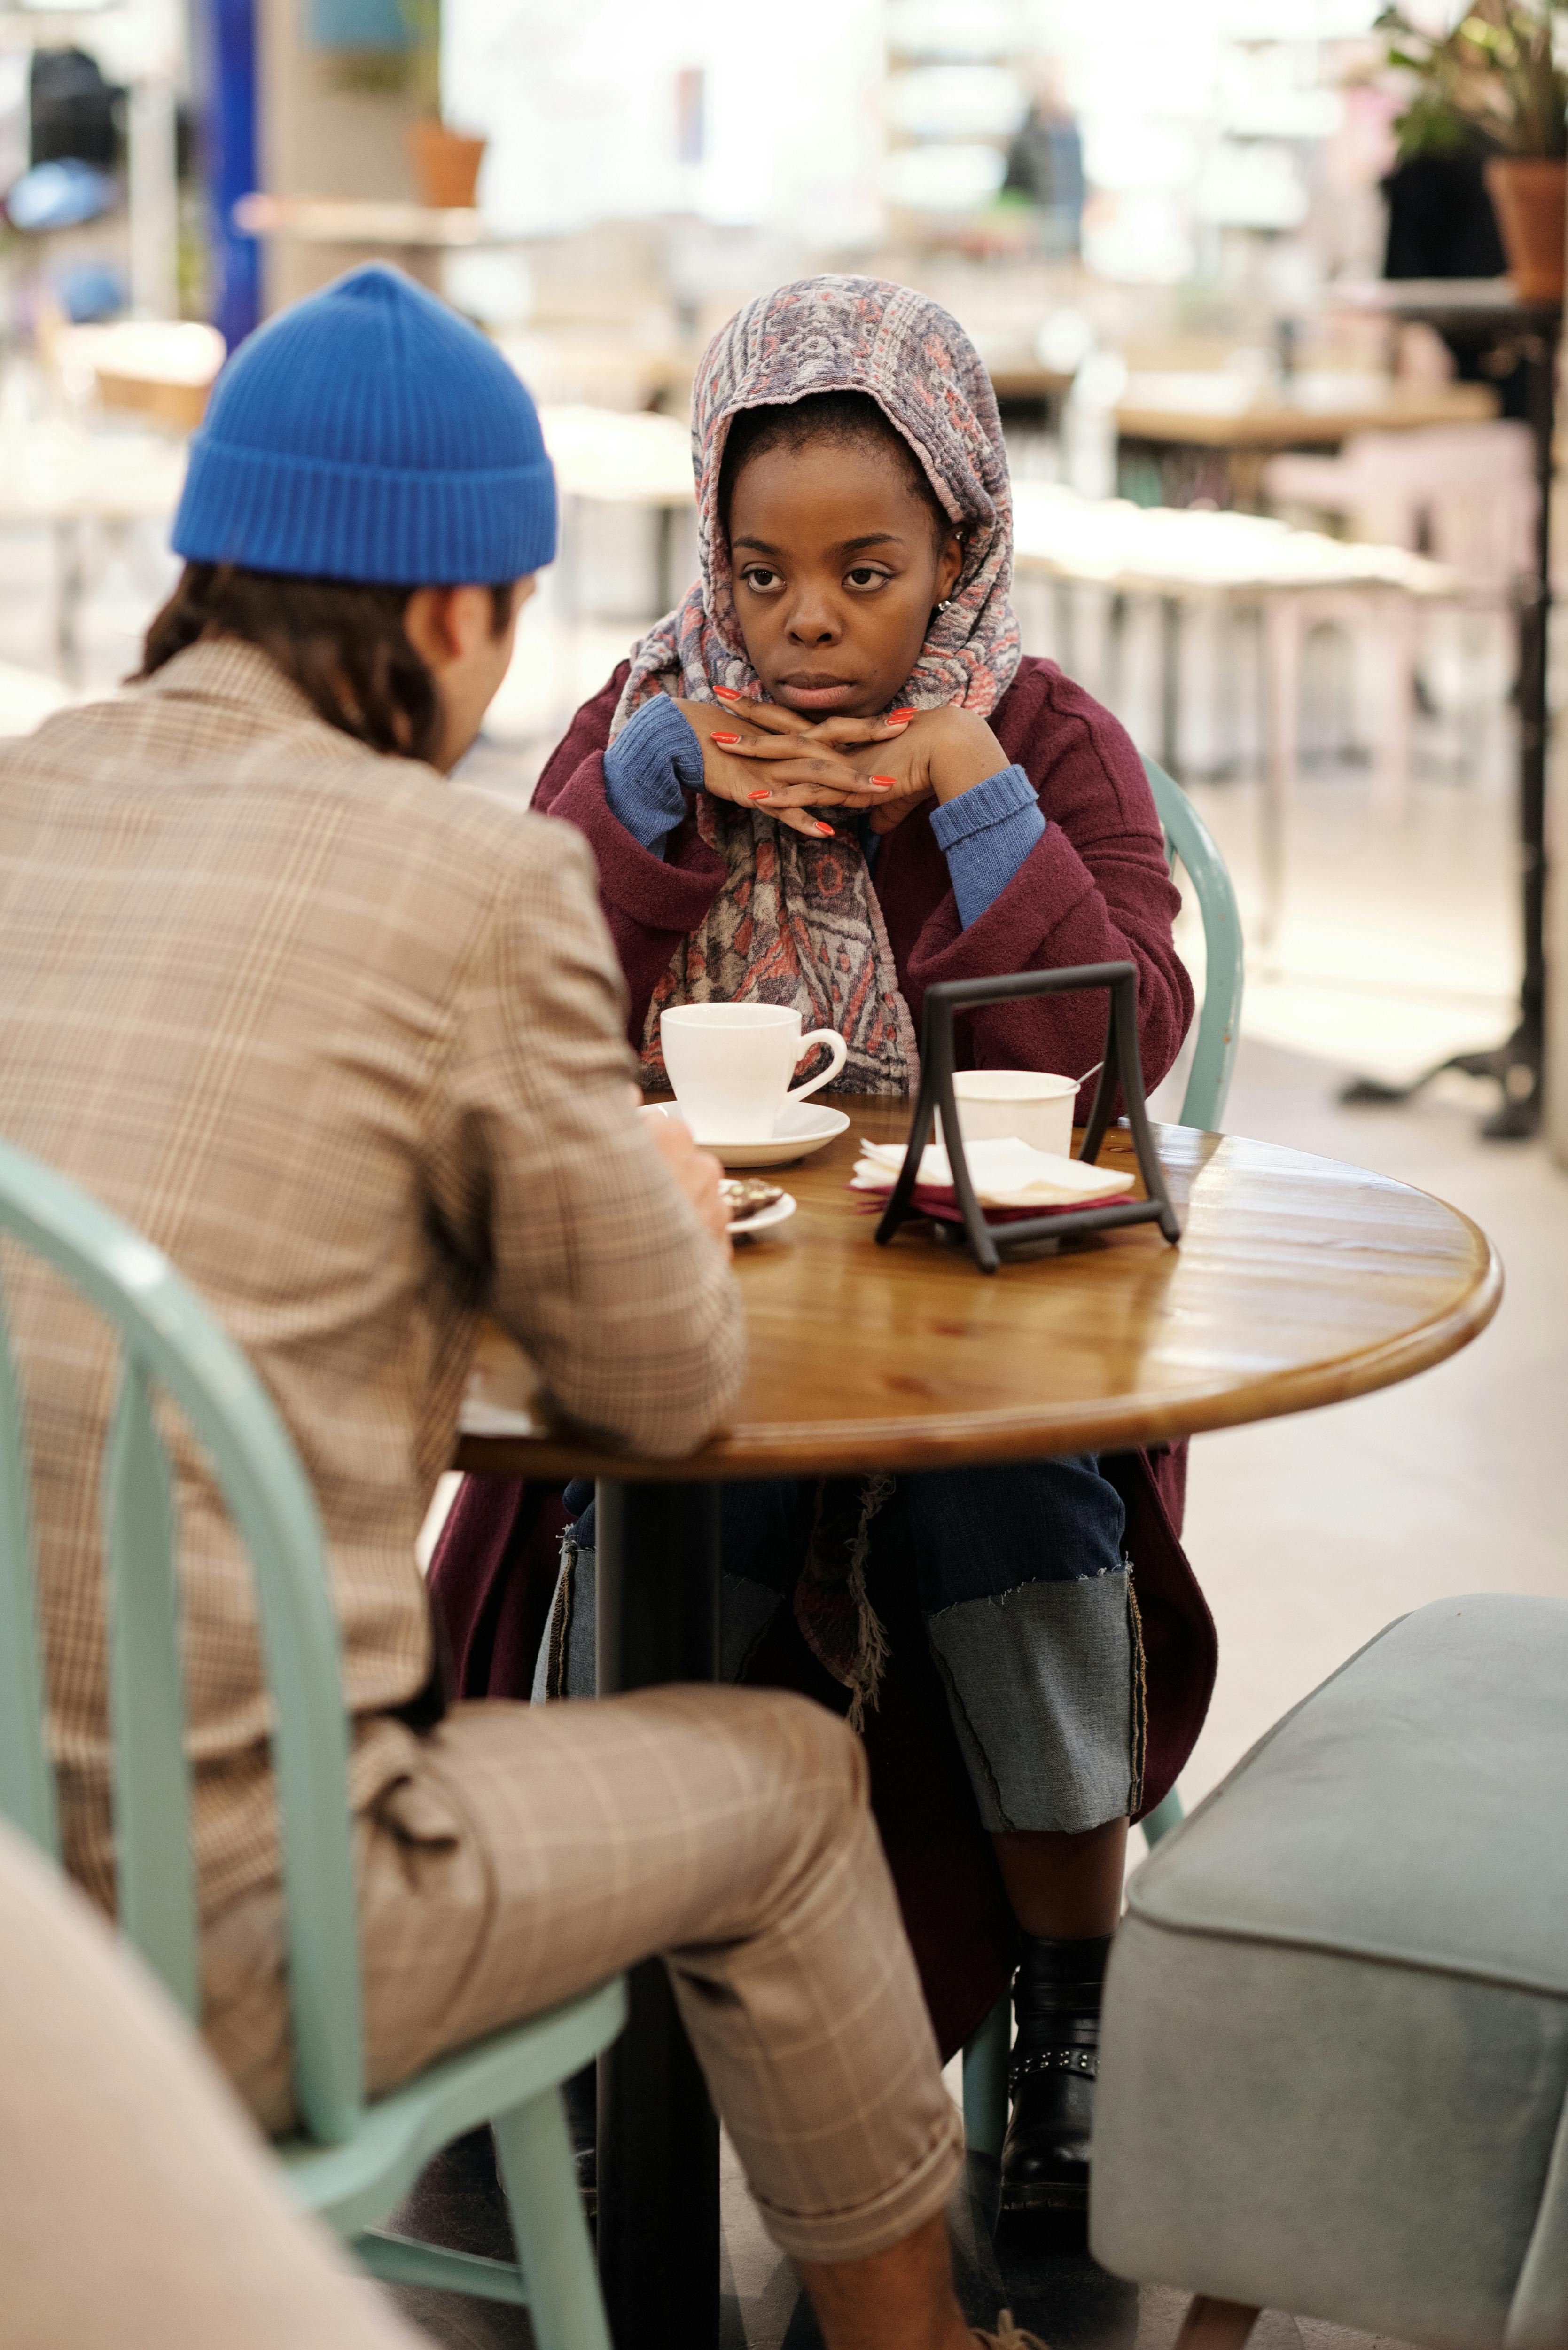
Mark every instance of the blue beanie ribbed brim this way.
pixel 370 433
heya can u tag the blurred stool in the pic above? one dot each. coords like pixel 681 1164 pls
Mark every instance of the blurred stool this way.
pixel 1465 494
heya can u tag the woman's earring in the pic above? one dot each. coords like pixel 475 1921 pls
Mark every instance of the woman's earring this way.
pixel 945 602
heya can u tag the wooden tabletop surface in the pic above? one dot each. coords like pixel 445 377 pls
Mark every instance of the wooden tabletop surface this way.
pixel 1298 1282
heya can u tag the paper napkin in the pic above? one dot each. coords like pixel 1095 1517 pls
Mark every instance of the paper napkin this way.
pixel 1006 1172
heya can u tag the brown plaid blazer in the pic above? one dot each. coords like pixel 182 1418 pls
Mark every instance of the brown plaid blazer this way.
pixel 347 1044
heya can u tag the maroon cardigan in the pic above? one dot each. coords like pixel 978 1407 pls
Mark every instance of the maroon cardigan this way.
pixel 1094 889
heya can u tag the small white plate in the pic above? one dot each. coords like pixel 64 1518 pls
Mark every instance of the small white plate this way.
pixel 798 1134
pixel 765 1219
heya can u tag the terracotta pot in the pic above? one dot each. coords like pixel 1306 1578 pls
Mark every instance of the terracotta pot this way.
pixel 1530 197
pixel 446 165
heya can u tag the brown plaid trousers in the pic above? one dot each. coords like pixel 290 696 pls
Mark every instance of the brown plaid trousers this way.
pixel 348 1044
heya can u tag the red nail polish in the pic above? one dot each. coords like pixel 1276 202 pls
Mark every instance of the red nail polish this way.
pixel 725 739
pixel 887 782
pixel 826 831
pixel 726 694
pixel 897 717
pixel 758 795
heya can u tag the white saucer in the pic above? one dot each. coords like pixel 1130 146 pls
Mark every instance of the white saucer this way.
pixel 799 1132
pixel 765 1219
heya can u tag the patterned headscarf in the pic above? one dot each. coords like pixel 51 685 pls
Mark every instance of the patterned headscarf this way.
pixel 797 921
pixel 852 334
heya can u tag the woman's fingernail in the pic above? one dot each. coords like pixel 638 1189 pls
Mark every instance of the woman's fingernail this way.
pixel 726 694
pixel 826 831
pixel 725 739
pixel 758 795
pixel 884 783
pixel 899 717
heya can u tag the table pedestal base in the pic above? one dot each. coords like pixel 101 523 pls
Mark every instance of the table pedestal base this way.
pixel 657 1620
pixel 1515 1067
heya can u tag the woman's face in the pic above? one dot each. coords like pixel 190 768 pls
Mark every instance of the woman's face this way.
pixel 838 568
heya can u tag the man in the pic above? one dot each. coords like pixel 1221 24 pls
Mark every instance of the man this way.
pixel 348 1045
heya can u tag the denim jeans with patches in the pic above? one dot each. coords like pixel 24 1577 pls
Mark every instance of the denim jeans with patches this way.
pixel 1028 1607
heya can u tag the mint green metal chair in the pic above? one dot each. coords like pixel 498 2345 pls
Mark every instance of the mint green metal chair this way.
pixel 1187 842
pixel 353 2161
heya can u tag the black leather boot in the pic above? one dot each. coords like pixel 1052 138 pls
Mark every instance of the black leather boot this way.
pixel 1056 2057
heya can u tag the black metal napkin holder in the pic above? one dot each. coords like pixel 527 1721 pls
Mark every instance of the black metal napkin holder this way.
pixel 1121 1067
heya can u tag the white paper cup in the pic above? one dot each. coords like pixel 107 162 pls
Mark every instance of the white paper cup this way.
pixel 731 1064
pixel 1034 1105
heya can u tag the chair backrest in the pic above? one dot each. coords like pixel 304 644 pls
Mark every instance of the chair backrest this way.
pixel 170 1340
pixel 1189 840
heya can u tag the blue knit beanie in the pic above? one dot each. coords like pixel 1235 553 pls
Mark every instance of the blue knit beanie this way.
pixel 370 433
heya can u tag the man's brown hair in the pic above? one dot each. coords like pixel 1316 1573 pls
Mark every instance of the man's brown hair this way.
pixel 341 641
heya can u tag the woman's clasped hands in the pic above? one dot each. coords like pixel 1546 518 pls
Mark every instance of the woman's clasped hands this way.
pixel 785 765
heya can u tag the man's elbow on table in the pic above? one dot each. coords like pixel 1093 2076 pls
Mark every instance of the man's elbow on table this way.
pixel 661 1383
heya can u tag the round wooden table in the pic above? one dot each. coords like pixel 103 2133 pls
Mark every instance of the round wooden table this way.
pixel 1297 1282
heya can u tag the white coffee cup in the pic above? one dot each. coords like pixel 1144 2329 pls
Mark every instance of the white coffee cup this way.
pixel 731 1066
pixel 1032 1104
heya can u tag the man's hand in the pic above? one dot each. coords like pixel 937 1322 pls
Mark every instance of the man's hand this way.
pixel 696 1172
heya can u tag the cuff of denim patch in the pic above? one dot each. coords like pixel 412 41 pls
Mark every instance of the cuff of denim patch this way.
pixel 652 762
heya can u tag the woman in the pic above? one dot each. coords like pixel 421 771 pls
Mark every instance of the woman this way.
pixel 829 779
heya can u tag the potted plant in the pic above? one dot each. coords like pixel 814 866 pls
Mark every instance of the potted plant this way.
pixel 406 60
pixel 1495 81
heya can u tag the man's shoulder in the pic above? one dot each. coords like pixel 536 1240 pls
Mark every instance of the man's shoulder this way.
pixel 502 845
pixel 302 796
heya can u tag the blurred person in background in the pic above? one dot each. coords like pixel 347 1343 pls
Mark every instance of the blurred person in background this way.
pixel 829 780
pixel 348 1045
pixel 1045 163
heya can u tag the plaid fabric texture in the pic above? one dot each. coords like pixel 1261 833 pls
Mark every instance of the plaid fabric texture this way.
pixel 348 1044
pixel 535 1849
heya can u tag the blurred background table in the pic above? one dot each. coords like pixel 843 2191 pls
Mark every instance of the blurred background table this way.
pixel 61 475
pixel 1248 423
pixel 1290 576
pixel 373 223
pixel 1298 1283
pixel 613 457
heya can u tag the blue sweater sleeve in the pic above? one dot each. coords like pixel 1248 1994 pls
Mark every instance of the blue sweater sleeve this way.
pixel 654 758
pixel 986 835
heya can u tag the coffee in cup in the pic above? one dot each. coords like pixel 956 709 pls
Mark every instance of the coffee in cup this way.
pixel 731 1066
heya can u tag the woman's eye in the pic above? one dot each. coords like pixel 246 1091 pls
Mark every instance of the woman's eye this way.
pixel 866 575
pixel 758 575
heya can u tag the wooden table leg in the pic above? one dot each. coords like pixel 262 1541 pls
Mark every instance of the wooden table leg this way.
pixel 657 1620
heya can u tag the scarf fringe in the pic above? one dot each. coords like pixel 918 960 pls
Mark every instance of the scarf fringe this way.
pixel 871 1648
